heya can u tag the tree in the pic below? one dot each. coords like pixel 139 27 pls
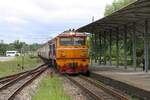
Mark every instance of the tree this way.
pixel 34 47
pixel 116 5
pixel 3 48
pixel 18 45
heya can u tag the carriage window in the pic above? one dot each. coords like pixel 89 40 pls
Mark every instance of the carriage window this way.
pixel 79 41
pixel 66 41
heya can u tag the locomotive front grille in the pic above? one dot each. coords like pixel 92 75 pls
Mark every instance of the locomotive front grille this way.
pixel 73 65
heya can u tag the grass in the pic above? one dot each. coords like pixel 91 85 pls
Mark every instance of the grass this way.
pixel 134 98
pixel 51 89
pixel 15 65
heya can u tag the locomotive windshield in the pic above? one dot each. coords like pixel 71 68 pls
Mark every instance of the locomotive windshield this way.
pixel 65 41
pixel 70 41
pixel 79 41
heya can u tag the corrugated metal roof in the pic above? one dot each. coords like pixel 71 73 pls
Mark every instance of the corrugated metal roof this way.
pixel 133 13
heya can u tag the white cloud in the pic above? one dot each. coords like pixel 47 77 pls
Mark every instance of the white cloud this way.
pixel 53 9
pixel 18 15
pixel 27 37
pixel 15 20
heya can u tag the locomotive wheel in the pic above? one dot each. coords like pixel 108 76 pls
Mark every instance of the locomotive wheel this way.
pixel 87 73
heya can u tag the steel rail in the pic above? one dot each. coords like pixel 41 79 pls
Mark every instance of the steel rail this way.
pixel 13 81
pixel 35 76
pixel 93 95
pixel 106 88
pixel 10 77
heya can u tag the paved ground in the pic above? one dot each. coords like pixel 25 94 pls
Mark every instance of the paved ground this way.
pixel 136 78
pixel 6 58
pixel 94 66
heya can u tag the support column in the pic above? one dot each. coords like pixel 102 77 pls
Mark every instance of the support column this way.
pixel 110 49
pixel 95 48
pixel 117 47
pixel 134 47
pixel 105 62
pixel 125 47
pixel 146 58
pixel 100 46
pixel 91 50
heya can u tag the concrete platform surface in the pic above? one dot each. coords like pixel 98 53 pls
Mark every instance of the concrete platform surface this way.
pixel 6 58
pixel 137 79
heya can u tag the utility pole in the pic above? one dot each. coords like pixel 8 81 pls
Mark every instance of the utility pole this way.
pixel 22 54
pixel 2 42
pixel 92 18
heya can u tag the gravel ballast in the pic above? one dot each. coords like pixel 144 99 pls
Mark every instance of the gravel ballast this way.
pixel 30 90
pixel 73 91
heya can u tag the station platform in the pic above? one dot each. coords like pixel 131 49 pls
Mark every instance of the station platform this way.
pixel 133 82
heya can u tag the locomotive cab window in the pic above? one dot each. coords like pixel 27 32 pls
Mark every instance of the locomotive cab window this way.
pixel 79 41
pixel 70 41
pixel 65 41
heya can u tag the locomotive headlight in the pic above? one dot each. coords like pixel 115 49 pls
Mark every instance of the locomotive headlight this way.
pixel 83 54
pixel 63 54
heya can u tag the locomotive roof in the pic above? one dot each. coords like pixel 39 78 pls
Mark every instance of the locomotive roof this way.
pixel 72 33
pixel 66 33
pixel 69 33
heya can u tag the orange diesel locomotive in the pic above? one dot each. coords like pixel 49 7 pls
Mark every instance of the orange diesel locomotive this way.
pixel 68 52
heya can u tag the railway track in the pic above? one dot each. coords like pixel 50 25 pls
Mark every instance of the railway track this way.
pixel 10 86
pixel 96 90
pixel 10 77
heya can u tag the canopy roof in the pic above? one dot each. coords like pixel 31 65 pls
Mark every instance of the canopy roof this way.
pixel 134 13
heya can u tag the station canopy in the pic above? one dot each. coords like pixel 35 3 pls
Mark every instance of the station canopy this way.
pixel 135 13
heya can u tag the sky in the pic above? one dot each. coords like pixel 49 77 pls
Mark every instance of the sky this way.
pixel 37 21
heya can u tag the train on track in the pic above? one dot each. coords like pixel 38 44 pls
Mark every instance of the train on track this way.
pixel 68 52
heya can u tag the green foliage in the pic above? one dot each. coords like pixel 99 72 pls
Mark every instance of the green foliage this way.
pixel 95 53
pixel 51 88
pixel 3 48
pixel 17 46
pixel 116 5
pixel 34 46
pixel 91 46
